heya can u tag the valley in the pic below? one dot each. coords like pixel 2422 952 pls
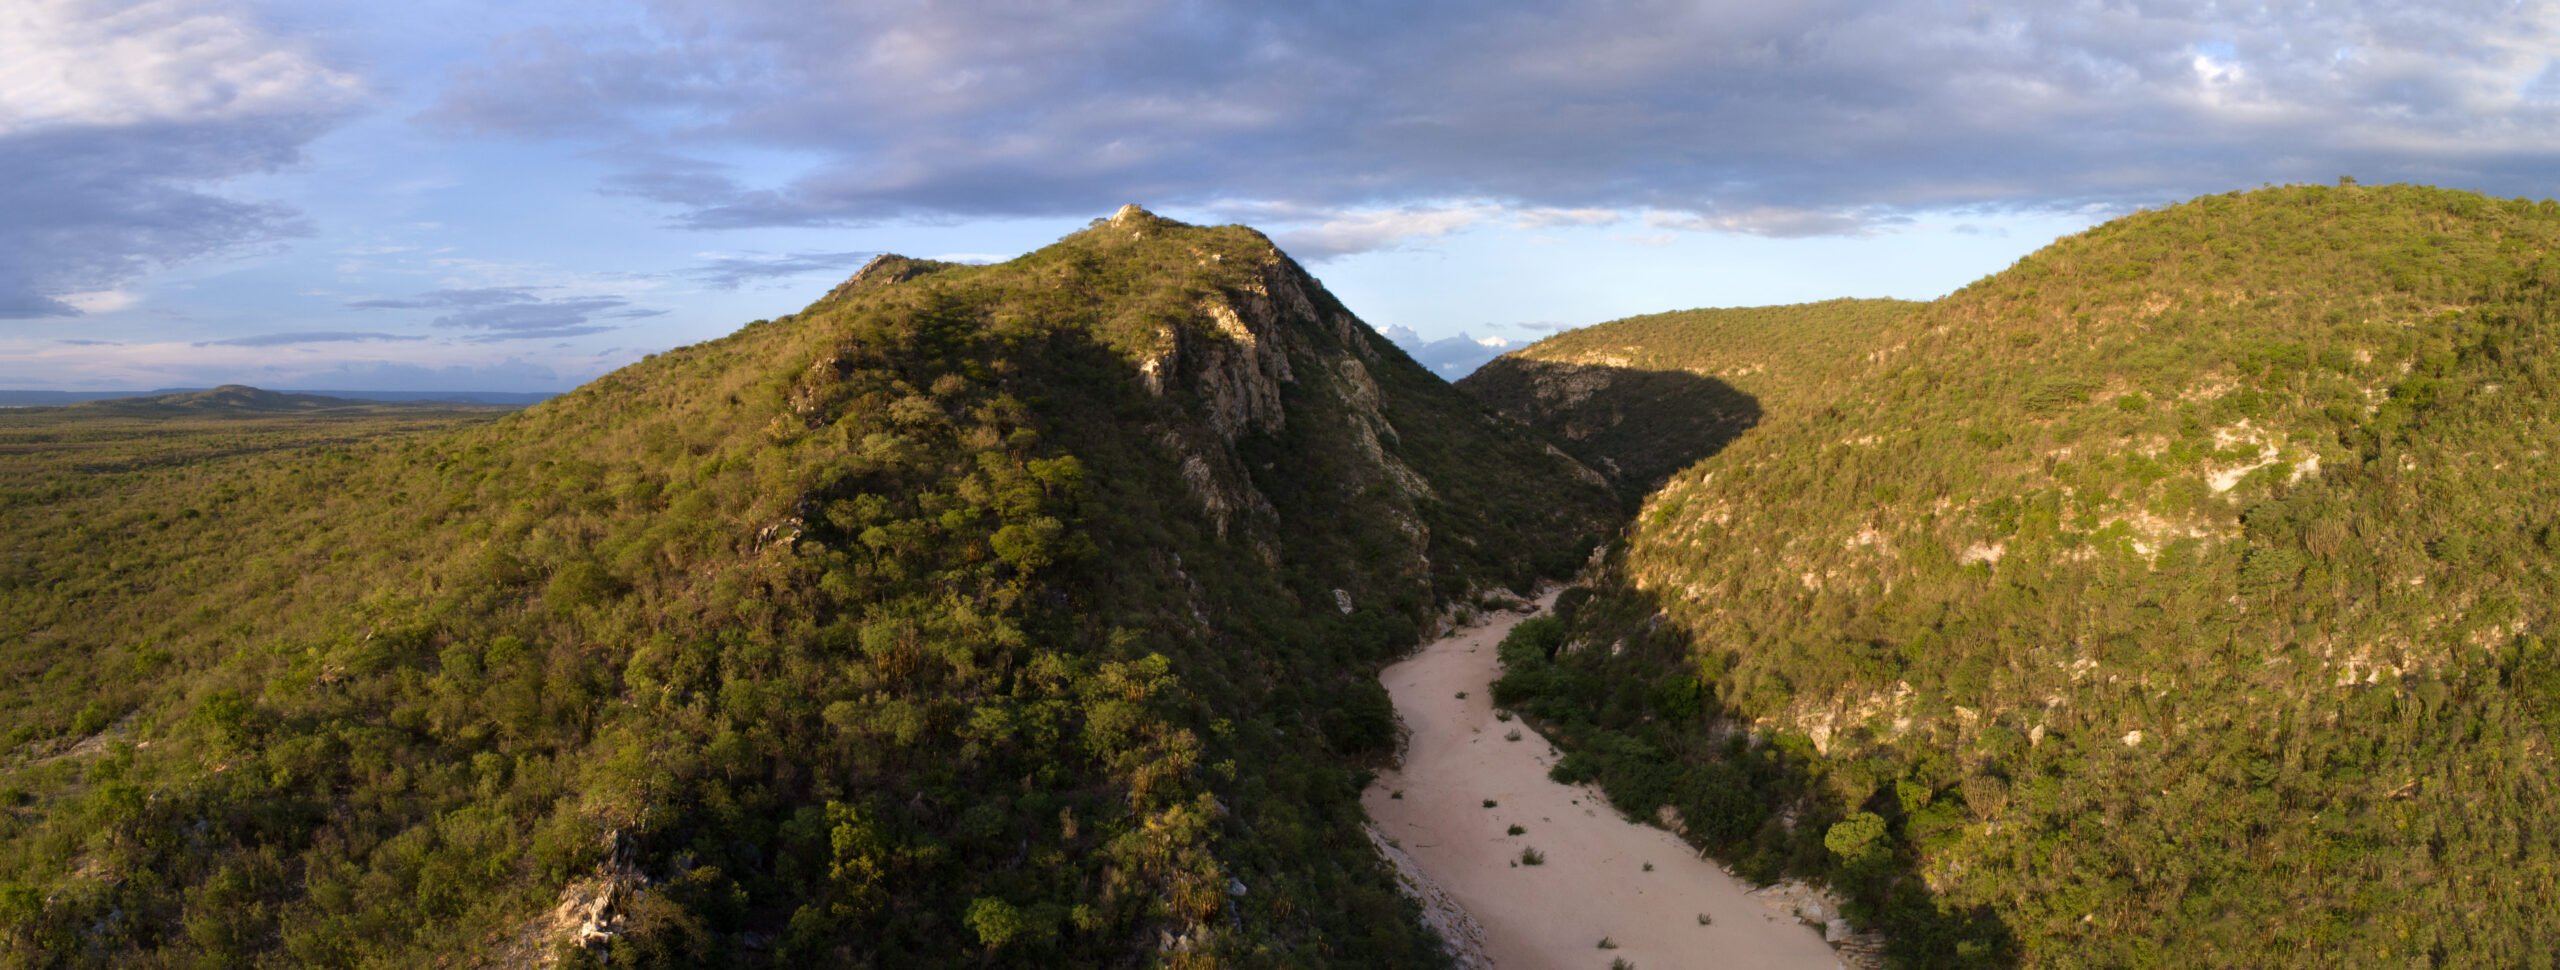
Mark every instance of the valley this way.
pixel 1470 802
pixel 2179 596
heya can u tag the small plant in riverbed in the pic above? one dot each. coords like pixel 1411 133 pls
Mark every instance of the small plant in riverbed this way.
pixel 1502 715
pixel 1396 795
pixel 1513 736
pixel 1608 944
pixel 1532 857
pixel 1648 867
pixel 1516 830
pixel 1462 695
pixel 1706 920
pixel 1621 964
pixel 1489 803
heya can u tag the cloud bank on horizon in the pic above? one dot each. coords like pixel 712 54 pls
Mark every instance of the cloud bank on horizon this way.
pixel 140 136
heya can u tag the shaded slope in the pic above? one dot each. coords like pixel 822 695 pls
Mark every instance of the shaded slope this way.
pixel 1644 397
pixel 2180 595
pixel 987 615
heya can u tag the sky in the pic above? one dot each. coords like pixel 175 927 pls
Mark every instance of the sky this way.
pixel 502 196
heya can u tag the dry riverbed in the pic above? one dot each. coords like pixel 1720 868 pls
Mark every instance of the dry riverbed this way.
pixel 1466 782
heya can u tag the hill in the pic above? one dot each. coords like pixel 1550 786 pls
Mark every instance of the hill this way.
pixel 2181 595
pixel 1021 615
pixel 228 397
pixel 1643 397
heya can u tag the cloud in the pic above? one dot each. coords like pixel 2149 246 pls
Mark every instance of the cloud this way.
pixel 1780 120
pixel 1360 232
pixel 481 297
pixel 113 122
pixel 1546 218
pixel 1781 222
pixel 1449 357
pixel 731 272
pixel 514 312
pixel 305 337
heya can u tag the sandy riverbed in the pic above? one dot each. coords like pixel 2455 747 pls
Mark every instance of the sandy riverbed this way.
pixel 1593 883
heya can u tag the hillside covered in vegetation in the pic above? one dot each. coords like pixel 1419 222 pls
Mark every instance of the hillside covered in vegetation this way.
pixel 1019 615
pixel 2181 596
pixel 1644 397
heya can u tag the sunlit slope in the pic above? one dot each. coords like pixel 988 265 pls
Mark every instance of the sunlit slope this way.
pixel 2179 596
pixel 1645 396
pixel 980 615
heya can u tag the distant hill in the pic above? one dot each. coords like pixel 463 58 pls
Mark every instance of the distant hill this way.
pixel 1012 615
pixel 229 397
pixel 2183 595
pixel 1645 396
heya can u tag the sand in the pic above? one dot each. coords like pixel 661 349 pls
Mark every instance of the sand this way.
pixel 1593 884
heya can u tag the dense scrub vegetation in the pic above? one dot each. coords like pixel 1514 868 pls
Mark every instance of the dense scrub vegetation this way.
pixel 980 615
pixel 2181 596
pixel 1647 396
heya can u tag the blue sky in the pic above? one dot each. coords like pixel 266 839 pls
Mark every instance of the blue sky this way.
pixel 483 196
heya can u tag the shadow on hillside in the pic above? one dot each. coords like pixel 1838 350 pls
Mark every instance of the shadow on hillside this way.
pixel 1636 426
pixel 1764 802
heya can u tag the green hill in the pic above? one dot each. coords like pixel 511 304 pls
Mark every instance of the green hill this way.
pixel 227 398
pixel 1020 615
pixel 2181 596
pixel 1646 396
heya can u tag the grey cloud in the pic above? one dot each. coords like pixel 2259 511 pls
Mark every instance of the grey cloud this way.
pixel 489 296
pixel 731 272
pixel 89 343
pixel 1818 118
pixel 532 318
pixel 305 337
pixel 93 207
pixel 546 333
pixel 514 312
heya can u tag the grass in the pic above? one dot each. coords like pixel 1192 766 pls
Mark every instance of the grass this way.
pixel 1532 857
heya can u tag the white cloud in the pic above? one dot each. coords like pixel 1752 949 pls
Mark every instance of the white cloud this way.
pixel 114 120
pixel 1543 217
pixel 100 301
pixel 1766 220
pixel 90 63
pixel 1360 232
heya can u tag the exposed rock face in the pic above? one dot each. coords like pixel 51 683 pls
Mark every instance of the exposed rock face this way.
pixel 1239 364
pixel 886 269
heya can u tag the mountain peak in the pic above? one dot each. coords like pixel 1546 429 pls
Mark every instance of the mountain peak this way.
pixel 887 269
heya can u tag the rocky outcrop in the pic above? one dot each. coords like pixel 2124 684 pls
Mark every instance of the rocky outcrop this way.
pixel 886 269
